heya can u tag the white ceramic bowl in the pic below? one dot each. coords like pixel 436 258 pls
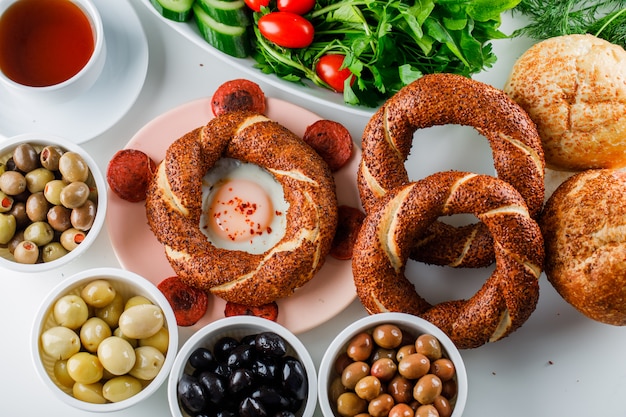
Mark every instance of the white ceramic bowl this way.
pixel 238 327
pixel 405 322
pixel 74 86
pixel 126 283
pixel 96 179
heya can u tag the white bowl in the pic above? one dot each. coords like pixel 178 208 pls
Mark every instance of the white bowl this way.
pixel 40 141
pixel 127 284
pixel 74 86
pixel 238 327
pixel 405 322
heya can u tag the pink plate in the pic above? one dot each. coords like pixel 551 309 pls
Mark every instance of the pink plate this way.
pixel 137 250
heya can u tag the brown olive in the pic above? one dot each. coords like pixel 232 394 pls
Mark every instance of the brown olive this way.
pixel 387 336
pixel 37 207
pixel 50 156
pixel 383 353
pixel 443 406
pixel 449 389
pixel 12 182
pixel 414 366
pixel 74 194
pixel 19 212
pixel 25 157
pixel 73 167
pixel 405 351
pixel 71 238
pixel 353 373
pixel 401 389
pixel 26 252
pixel 59 218
pixel 384 369
pixel 15 240
pixel 368 387
pixel 427 388
pixel 429 346
pixel 360 347
pixel 349 404
pixel 335 390
pixel 341 362
pixel 37 179
pixel 443 368
pixel 401 410
pixel 381 405
pixel 427 410
pixel 82 217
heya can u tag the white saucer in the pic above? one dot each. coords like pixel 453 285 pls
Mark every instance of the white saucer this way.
pixel 107 101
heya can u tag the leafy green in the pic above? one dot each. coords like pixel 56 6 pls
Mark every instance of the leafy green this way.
pixel 389 44
pixel 550 18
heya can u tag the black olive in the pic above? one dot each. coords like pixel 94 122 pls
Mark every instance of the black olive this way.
pixel 223 346
pixel 223 370
pixel 214 386
pixel 248 340
pixel 190 394
pixel 226 413
pixel 241 381
pixel 202 359
pixel 241 356
pixel 271 398
pixel 266 368
pixel 271 343
pixel 284 413
pixel 250 407
pixel 294 378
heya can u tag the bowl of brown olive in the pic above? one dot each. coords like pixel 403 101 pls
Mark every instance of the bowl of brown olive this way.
pixel 52 202
pixel 104 339
pixel 243 366
pixel 395 365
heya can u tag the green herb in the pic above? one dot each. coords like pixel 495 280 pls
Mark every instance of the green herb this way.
pixel 389 44
pixel 550 18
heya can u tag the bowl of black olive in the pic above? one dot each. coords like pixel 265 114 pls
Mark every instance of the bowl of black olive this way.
pixel 243 366
pixel 52 204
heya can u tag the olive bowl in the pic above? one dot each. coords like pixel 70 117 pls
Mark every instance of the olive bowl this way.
pixel 86 235
pixel 242 329
pixel 336 360
pixel 127 285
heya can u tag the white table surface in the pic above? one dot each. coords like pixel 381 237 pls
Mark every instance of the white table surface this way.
pixel 558 363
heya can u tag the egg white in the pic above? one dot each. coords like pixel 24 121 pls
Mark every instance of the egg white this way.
pixel 227 169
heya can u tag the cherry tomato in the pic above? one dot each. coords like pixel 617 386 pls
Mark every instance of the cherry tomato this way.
pixel 286 29
pixel 256 5
pixel 327 68
pixel 295 6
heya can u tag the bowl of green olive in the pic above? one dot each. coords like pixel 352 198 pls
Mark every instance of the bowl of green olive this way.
pixel 52 202
pixel 395 365
pixel 104 339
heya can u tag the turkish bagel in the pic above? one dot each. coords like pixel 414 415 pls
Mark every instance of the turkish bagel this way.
pixel 509 295
pixel 440 99
pixel 174 207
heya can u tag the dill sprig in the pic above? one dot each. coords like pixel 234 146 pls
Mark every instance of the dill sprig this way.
pixel 550 18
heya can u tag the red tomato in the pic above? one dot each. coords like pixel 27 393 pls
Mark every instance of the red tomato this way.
pixel 327 68
pixel 256 5
pixel 286 29
pixel 295 6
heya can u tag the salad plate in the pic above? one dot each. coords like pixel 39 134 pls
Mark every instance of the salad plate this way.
pixel 137 250
pixel 107 101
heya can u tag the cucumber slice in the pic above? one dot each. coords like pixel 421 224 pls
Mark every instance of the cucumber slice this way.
pixel 232 40
pixel 176 10
pixel 233 13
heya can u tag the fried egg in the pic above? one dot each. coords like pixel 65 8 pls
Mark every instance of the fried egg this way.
pixel 243 207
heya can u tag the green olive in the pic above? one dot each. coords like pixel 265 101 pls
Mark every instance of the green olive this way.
pixel 39 232
pixel 141 321
pixel 52 191
pixel 58 218
pixel 73 167
pixel 70 311
pixel 53 251
pixel 60 342
pixel 74 194
pixel 37 179
pixel 12 182
pixel 37 207
pixel 26 252
pixel 25 157
pixel 6 202
pixel 84 367
pixel 98 293
pixel 8 226
pixel 49 157
pixel 89 393
pixel 60 373
pixel 148 363
pixel 93 332
pixel 82 217
pixel 121 388
pixel 160 340
pixel 71 238
pixel 116 355
pixel 111 312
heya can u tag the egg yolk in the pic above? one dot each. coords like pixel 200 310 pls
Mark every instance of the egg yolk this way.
pixel 239 210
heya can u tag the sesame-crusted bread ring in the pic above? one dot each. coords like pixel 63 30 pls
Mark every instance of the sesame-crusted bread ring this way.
pixel 509 295
pixel 440 99
pixel 174 208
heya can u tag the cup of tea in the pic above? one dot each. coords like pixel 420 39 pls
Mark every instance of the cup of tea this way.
pixel 51 51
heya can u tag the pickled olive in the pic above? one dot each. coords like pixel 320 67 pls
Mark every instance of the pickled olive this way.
pixel 93 332
pixel 381 405
pixel 70 311
pixel 427 388
pixel 353 373
pixel 82 217
pixel 121 388
pixel 360 347
pixel 116 355
pixel 39 232
pixel 405 351
pixel 111 312
pixel 19 212
pixel 60 373
pixel 58 218
pixel 384 369
pixel 73 167
pixel 84 367
pixel 74 194
pixel 135 301
pixel 12 182
pixel 98 293
pixel 90 393
pixel 414 366
pixel 6 202
pixel 52 251
pixel 141 321
pixel 159 341
pixel 443 368
pixel 368 387
pixel 387 336
pixel 429 346
pixel 26 252
pixel 350 404
pixel 37 179
pixel 71 238
pixel 25 157
pixel 401 389
pixel 148 363
pixel 8 226
pixel 52 191
pixel 60 342
pixel 37 207
pixel 443 406
pixel 49 157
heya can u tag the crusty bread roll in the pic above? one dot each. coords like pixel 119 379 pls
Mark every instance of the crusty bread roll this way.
pixel 584 229
pixel 574 89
